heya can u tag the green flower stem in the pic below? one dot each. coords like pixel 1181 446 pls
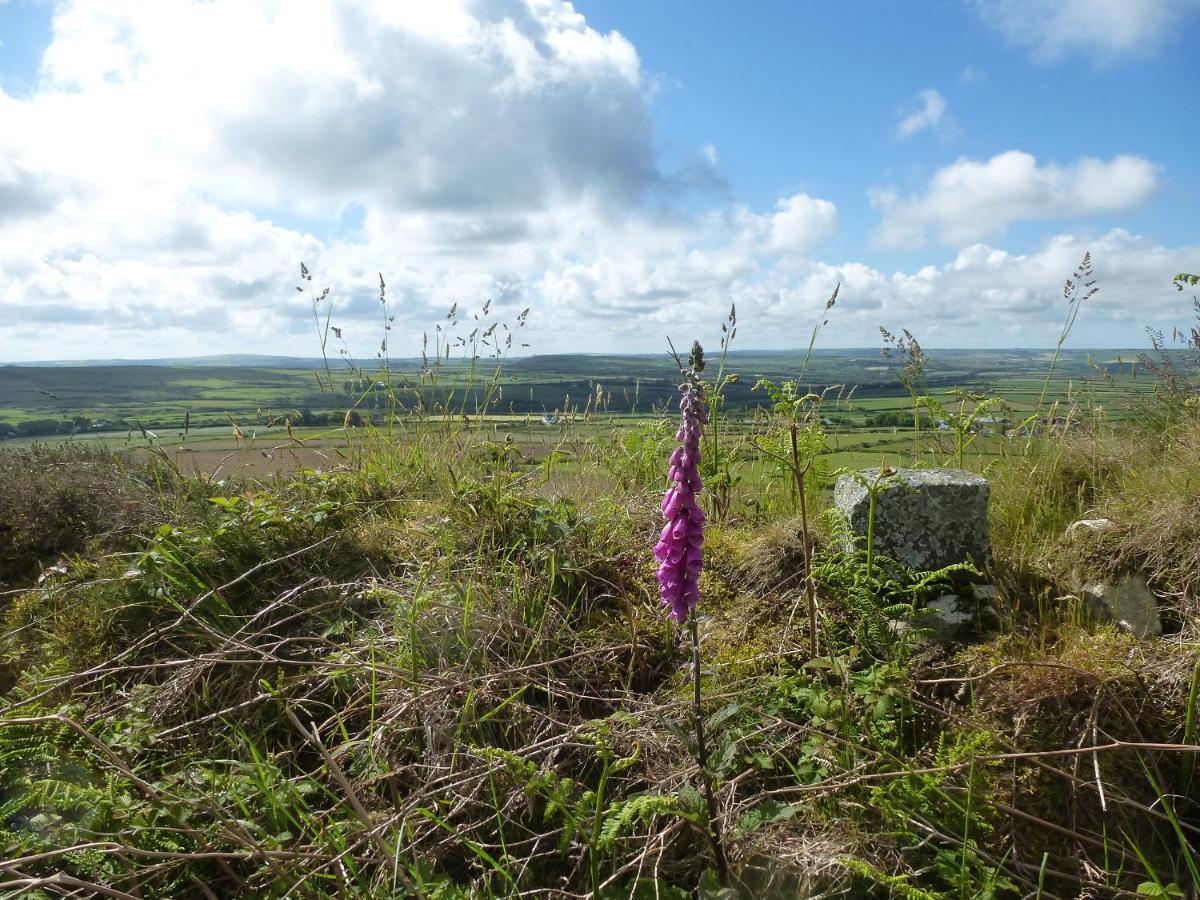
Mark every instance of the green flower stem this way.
pixel 714 822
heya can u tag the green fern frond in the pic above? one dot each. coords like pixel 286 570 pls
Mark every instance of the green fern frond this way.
pixel 619 818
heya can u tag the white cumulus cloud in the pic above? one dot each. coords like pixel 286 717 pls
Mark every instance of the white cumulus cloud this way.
pixel 1102 29
pixel 800 223
pixel 928 115
pixel 971 200
pixel 985 296
pixel 442 105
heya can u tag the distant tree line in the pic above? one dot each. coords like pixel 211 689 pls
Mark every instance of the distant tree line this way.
pixel 896 419
pixel 44 427
pixel 80 424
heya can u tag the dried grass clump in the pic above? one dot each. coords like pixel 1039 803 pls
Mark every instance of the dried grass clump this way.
pixel 54 500
pixel 1094 729
pixel 1157 508
pixel 771 558
pixel 786 862
pixel 1148 485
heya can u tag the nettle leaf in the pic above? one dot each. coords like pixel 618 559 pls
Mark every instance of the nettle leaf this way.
pixel 762 761
pixel 689 797
pixel 678 731
pixel 821 663
pixel 883 708
pixel 722 715
pixel 1165 891
pixel 711 889
pixel 765 814
pixel 726 757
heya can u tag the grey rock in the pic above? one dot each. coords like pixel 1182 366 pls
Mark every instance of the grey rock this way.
pixel 947 619
pixel 985 594
pixel 1129 602
pixel 1090 525
pixel 924 518
pixel 949 609
pixel 963 616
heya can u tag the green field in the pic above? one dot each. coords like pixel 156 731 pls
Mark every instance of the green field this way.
pixel 71 400
pixel 229 419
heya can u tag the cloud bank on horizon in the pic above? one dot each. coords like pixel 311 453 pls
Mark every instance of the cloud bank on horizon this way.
pixel 166 167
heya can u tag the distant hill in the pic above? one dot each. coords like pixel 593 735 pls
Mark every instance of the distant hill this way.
pixel 595 363
pixel 226 360
pixel 66 397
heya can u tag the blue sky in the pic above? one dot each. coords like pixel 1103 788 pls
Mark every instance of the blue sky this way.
pixel 626 170
pixel 801 96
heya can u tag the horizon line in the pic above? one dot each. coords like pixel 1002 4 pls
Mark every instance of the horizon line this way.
pixel 168 361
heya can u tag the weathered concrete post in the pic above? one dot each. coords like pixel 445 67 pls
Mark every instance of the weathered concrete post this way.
pixel 924 518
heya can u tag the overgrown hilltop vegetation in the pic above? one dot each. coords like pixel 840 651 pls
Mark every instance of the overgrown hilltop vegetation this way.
pixel 440 669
